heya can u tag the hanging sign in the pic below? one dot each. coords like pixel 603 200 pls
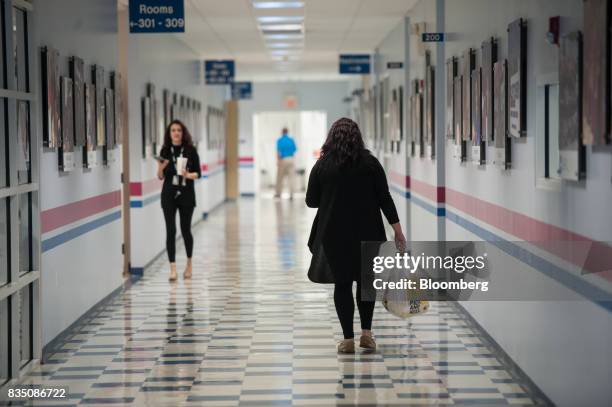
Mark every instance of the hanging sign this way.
pixel 219 72
pixel 355 64
pixel 242 90
pixel 157 16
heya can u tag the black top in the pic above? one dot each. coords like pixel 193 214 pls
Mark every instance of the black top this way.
pixel 349 201
pixel 181 195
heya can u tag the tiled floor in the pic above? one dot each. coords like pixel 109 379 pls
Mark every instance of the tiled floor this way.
pixel 251 330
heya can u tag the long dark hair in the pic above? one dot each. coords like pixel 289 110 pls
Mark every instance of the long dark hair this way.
pixel 344 144
pixel 187 140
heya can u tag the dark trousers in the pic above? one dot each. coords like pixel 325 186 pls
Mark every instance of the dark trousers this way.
pixel 185 213
pixel 345 308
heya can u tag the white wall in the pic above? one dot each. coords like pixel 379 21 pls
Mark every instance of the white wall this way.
pixel 550 341
pixel 167 63
pixel 269 96
pixel 81 271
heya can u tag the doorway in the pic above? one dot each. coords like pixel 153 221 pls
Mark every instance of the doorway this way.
pixel 308 129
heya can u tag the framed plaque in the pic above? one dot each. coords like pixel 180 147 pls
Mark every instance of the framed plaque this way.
pixel 572 159
pixel 118 107
pixel 489 57
pixel 478 145
pixel 429 117
pixel 459 152
pixel 146 127
pixel 596 107
pixel 469 62
pixel 517 68
pixel 66 151
pixel 451 73
pixel 50 97
pixel 500 118
pixel 98 78
pixel 77 73
pixel 90 157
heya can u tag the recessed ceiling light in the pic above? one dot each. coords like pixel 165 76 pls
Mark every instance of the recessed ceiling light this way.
pixel 278 4
pixel 285 51
pixel 285 58
pixel 277 36
pixel 280 19
pixel 281 27
pixel 284 45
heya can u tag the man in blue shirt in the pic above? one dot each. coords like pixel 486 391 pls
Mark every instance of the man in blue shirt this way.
pixel 285 150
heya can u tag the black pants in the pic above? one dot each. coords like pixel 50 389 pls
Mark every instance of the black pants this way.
pixel 345 308
pixel 185 213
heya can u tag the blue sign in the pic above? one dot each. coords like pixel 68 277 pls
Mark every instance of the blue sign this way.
pixel 355 64
pixel 242 90
pixel 157 16
pixel 433 37
pixel 219 72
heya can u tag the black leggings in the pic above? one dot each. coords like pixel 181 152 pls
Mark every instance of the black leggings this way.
pixel 345 308
pixel 185 214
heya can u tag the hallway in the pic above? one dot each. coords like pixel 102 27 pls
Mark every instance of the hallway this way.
pixel 251 330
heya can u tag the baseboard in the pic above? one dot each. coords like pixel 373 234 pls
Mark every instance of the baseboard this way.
pixel 135 274
pixel 58 342
pixel 515 370
pixel 217 206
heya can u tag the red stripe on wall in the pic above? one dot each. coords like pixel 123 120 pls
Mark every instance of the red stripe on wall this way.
pixel 145 187
pixel 54 218
pixel 246 159
pixel 592 256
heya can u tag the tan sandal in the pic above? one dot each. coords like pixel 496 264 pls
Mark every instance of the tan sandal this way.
pixel 367 342
pixel 346 346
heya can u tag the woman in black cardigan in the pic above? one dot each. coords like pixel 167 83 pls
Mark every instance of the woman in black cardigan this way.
pixel 178 193
pixel 349 187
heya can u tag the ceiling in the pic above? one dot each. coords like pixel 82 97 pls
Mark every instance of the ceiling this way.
pixel 218 29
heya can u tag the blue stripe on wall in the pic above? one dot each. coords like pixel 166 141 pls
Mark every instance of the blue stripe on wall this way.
pixel 80 230
pixel 564 277
pixel 144 202
pixel 544 266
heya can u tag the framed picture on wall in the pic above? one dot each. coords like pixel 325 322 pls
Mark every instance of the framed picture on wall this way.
pixel 451 72
pixel 572 158
pixel 596 107
pixel 478 144
pixel 98 78
pixel 394 120
pixel 146 127
pixel 118 107
pixel 50 97
pixel 66 151
pixel 90 157
pixel 430 136
pixel 489 57
pixel 418 112
pixel 154 126
pixel 517 69
pixel 459 148
pixel 209 128
pixel 400 115
pixel 109 124
pixel 500 118
pixel 77 73
pixel 468 63
pixel 167 103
